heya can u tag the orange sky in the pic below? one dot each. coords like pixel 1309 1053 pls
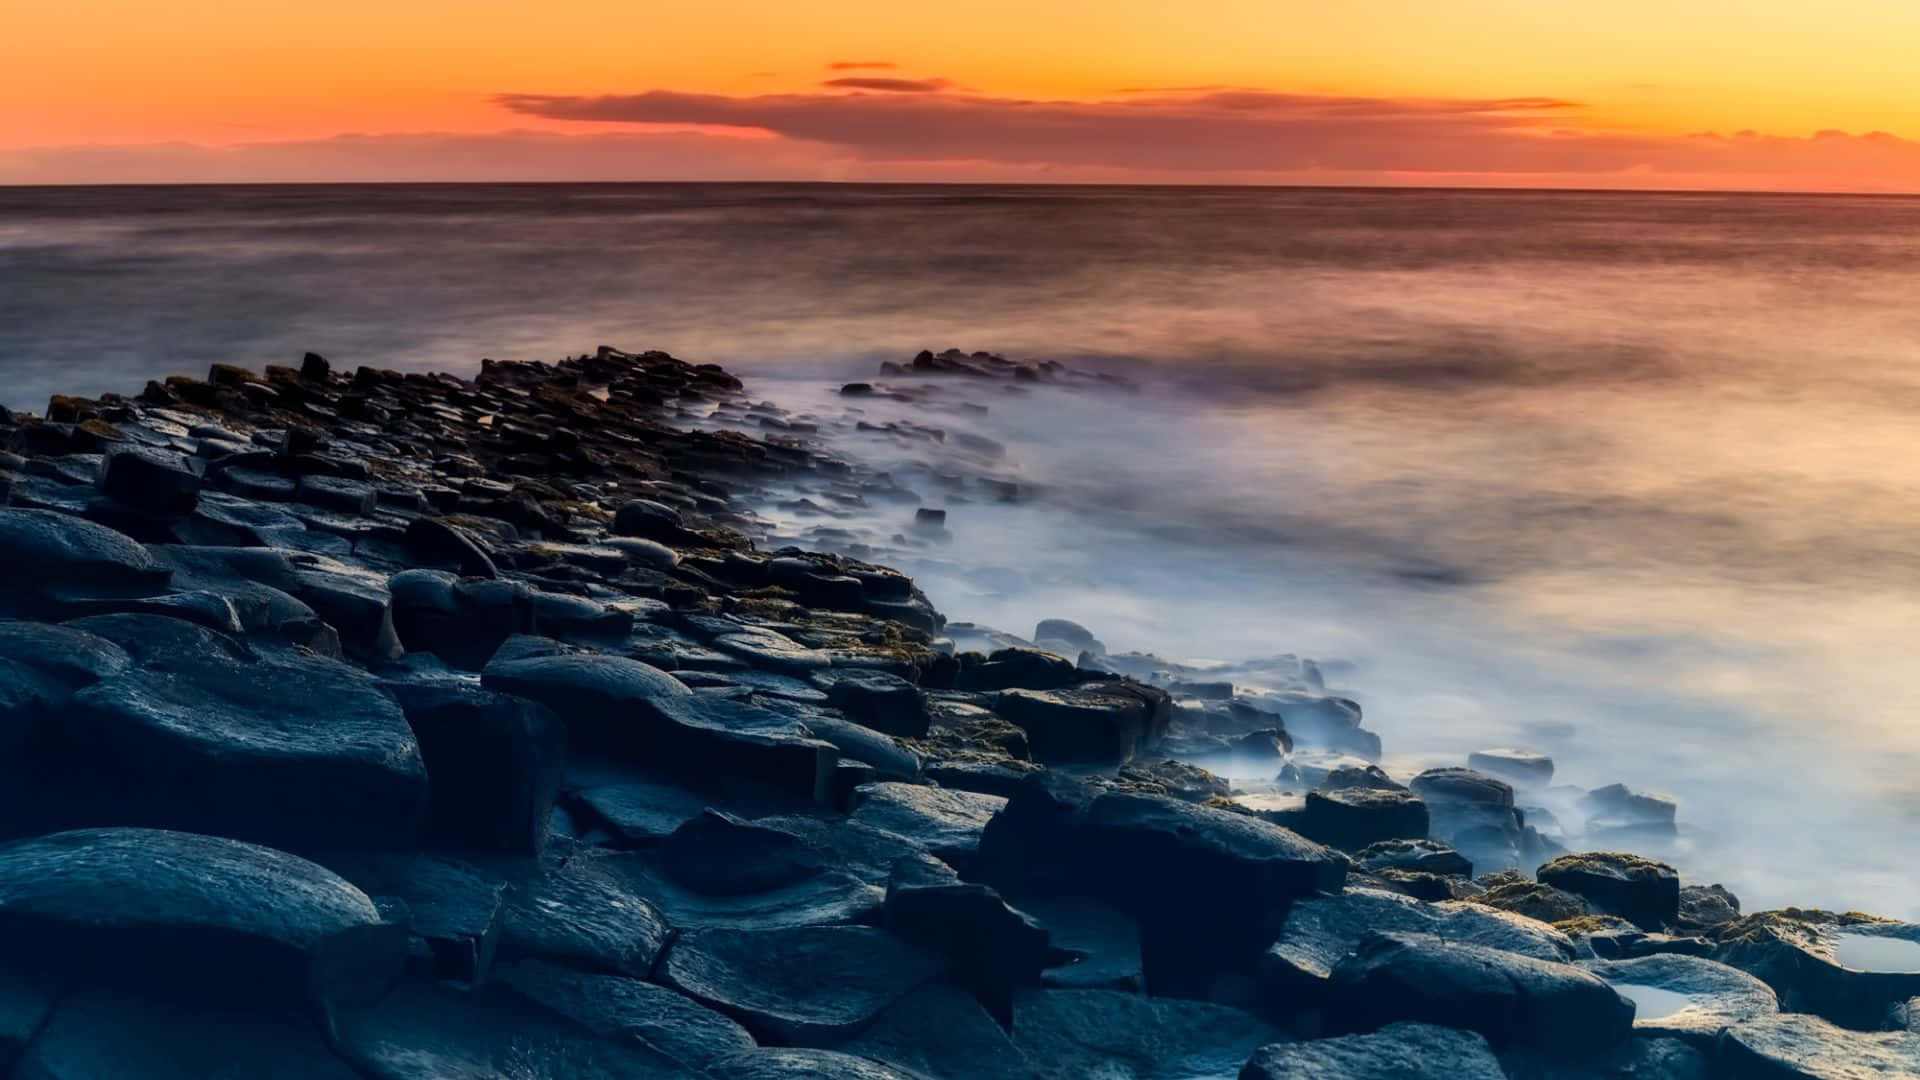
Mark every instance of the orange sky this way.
pixel 90 81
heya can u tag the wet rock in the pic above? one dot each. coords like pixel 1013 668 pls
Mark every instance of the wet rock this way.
pixel 1518 766
pixel 590 913
pixel 946 823
pixel 940 1031
pixel 98 1033
pixel 1426 856
pixel 1619 815
pixel 1071 1034
pixel 433 1031
pixel 789 1063
pixel 1353 818
pixel 1686 997
pixel 193 918
pixel 607 702
pixel 156 481
pixel 881 701
pixel 1093 722
pixel 1849 969
pixel 1395 1052
pixel 800 986
pixel 1322 932
pixel 1639 890
pixel 1553 1008
pixel 493 762
pixel 619 1008
pixel 641 813
pixel 283 749
pixel 1796 1046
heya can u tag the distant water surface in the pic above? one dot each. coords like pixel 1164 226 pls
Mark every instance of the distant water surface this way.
pixel 1624 477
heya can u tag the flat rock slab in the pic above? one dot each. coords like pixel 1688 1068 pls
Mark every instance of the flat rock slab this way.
pixel 192 914
pixel 592 912
pixel 290 749
pixel 1403 1051
pixel 946 823
pixel 1072 1034
pixel 432 1031
pixel 1686 997
pixel 98 1033
pixel 1323 931
pixel 1793 1045
pixel 809 985
pixel 617 1007
pixel 1551 1008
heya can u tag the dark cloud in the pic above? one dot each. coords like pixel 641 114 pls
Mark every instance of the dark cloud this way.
pixel 861 65
pixel 1234 131
pixel 894 86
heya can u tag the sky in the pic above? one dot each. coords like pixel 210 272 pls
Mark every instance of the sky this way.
pixel 1750 94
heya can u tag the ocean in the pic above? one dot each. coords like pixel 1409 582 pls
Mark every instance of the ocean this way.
pixel 1623 477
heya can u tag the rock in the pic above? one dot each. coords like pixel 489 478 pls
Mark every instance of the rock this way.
pixel 649 520
pixel 881 701
pixel 1426 856
pixel 1355 817
pixel 1462 786
pixel 156 481
pixel 456 911
pixel 989 947
pixel 1095 946
pixel 432 1031
pixel 97 1033
pixel 1552 1008
pixel 1474 813
pixel 192 918
pixel 1517 766
pixel 1849 969
pixel 609 703
pixel 801 986
pixel 1535 900
pixel 1706 907
pixel 770 1063
pixel 590 913
pixel 1796 1046
pixel 1686 997
pixel 40 548
pixel 1159 860
pixel 767 649
pixel 441 543
pixel 940 1031
pixel 1095 722
pixel 1071 634
pixel 1643 892
pixel 1073 1034
pixel 493 762
pixel 718 854
pixel 1322 932
pixel 1405 1051
pixel 859 743
pixel 315 366
pixel 946 823
pixel 1009 668
pixel 336 493
pixel 616 1007
pixel 641 812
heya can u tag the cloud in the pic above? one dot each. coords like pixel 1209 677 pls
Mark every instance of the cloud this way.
pixel 896 86
pixel 861 65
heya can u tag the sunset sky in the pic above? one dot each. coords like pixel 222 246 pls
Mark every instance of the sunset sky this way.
pixel 1778 94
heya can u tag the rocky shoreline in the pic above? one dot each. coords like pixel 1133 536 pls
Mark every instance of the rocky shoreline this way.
pixel 407 726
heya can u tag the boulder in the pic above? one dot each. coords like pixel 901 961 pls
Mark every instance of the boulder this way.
pixel 1643 892
pixel 1686 997
pixel 1355 817
pixel 1791 1046
pixel 801 986
pixel 619 1008
pixel 193 918
pixel 1706 907
pixel 1551 1008
pixel 877 699
pixel 336 493
pixel 1066 632
pixel 493 762
pixel 1322 932
pixel 718 854
pixel 1474 813
pixel 1072 1034
pixel 1099 722
pixel 97 1033
pixel 1405 1051
pixel 649 520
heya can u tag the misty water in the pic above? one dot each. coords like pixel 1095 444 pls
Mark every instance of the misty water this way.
pixel 1625 478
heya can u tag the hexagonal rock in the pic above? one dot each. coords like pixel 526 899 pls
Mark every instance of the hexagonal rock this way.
pixel 1395 1052
pixel 198 917
pixel 1792 1045
pixel 1524 766
pixel 1554 1009
pixel 158 481
pixel 946 823
pixel 877 699
pixel 1105 722
pixel 1644 892
pixel 1355 817
pixel 1685 996
pixel 1850 969
pixel 494 762
pixel 591 913
pixel 803 986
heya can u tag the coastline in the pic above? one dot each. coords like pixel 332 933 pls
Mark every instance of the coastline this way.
pixel 768 761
